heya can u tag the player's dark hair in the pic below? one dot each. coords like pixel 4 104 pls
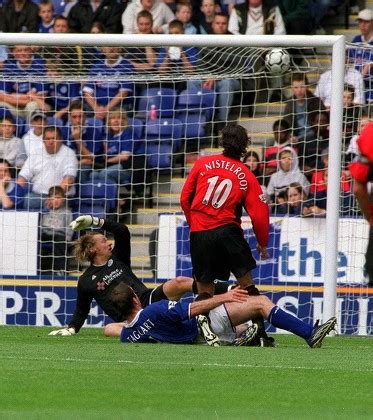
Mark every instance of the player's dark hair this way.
pixel 234 141
pixel 122 299
pixel 83 245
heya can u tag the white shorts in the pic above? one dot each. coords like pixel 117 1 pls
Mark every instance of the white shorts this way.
pixel 221 324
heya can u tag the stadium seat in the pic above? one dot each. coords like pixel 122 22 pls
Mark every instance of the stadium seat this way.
pixel 97 198
pixel 197 101
pixel 162 138
pixel 164 100
pixel 164 130
pixel 194 124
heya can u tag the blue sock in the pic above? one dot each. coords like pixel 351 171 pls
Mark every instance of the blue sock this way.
pixel 281 319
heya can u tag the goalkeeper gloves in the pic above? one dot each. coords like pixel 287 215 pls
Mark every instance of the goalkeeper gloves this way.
pixel 84 222
pixel 64 331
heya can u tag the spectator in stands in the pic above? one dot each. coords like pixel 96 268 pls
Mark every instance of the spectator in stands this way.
pixel 288 172
pixel 296 15
pixel 311 150
pixel 55 229
pixel 161 13
pixel 143 58
pixel 70 58
pixel 22 96
pixel 352 77
pixel 119 147
pixel 362 56
pixel 85 12
pixel 11 194
pixel 60 94
pixel 252 161
pixel 215 60
pixel 85 139
pixel 300 107
pixel 175 59
pixel 46 14
pixel 56 164
pixel 19 16
pixel 320 177
pixel 3 55
pixel 184 14
pixel 352 151
pixel 104 95
pixel 11 147
pixel 204 20
pixel 91 55
pixel 256 17
pixel 351 113
pixel 319 196
pixel 33 138
pixel 283 137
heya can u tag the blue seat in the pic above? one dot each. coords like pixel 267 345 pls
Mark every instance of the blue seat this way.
pixel 164 100
pixel 200 101
pixel 97 198
pixel 137 125
pixel 164 130
pixel 159 156
pixel 194 124
pixel 162 139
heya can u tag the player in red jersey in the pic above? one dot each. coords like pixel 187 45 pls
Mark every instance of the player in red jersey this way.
pixel 213 196
pixel 362 172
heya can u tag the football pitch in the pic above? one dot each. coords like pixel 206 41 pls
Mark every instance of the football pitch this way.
pixel 89 376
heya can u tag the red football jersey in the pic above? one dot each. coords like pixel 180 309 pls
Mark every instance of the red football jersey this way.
pixel 217 189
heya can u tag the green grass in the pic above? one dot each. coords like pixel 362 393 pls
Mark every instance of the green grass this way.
pixel 92 377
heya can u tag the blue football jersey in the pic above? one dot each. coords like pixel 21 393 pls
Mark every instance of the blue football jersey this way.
pixel 119 143
pixel 60 95
pixel 105 89
pixel 16 79
pixel 163 321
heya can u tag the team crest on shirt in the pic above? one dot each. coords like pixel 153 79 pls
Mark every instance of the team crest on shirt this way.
pixel 100 285
pixel 110 263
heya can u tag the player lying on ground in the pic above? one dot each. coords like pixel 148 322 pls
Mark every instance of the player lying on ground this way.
pixel 110 267
pixel 176 322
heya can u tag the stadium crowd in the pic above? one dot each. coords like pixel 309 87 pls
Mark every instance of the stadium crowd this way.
pixel 63 134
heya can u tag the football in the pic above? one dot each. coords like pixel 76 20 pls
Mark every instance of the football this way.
pixel 277 61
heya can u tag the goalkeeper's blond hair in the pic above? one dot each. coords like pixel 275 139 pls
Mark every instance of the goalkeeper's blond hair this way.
pixel 83 245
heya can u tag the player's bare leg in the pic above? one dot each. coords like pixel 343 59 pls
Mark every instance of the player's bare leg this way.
pixel 175 288
pixel 246 282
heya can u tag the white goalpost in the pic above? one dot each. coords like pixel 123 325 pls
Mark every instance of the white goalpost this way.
pixel 167 140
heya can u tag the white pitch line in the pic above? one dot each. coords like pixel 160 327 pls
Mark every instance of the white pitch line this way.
pixel 213 365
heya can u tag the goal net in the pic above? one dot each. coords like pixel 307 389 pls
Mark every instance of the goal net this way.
pixel 111 127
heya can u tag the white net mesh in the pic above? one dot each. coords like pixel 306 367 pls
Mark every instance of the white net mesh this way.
pixel 131 122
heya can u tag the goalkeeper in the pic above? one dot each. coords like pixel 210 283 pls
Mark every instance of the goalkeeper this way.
pixel 110 267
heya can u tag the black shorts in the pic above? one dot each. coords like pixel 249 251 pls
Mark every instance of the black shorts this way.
pixel 218 252
pixel 152 295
